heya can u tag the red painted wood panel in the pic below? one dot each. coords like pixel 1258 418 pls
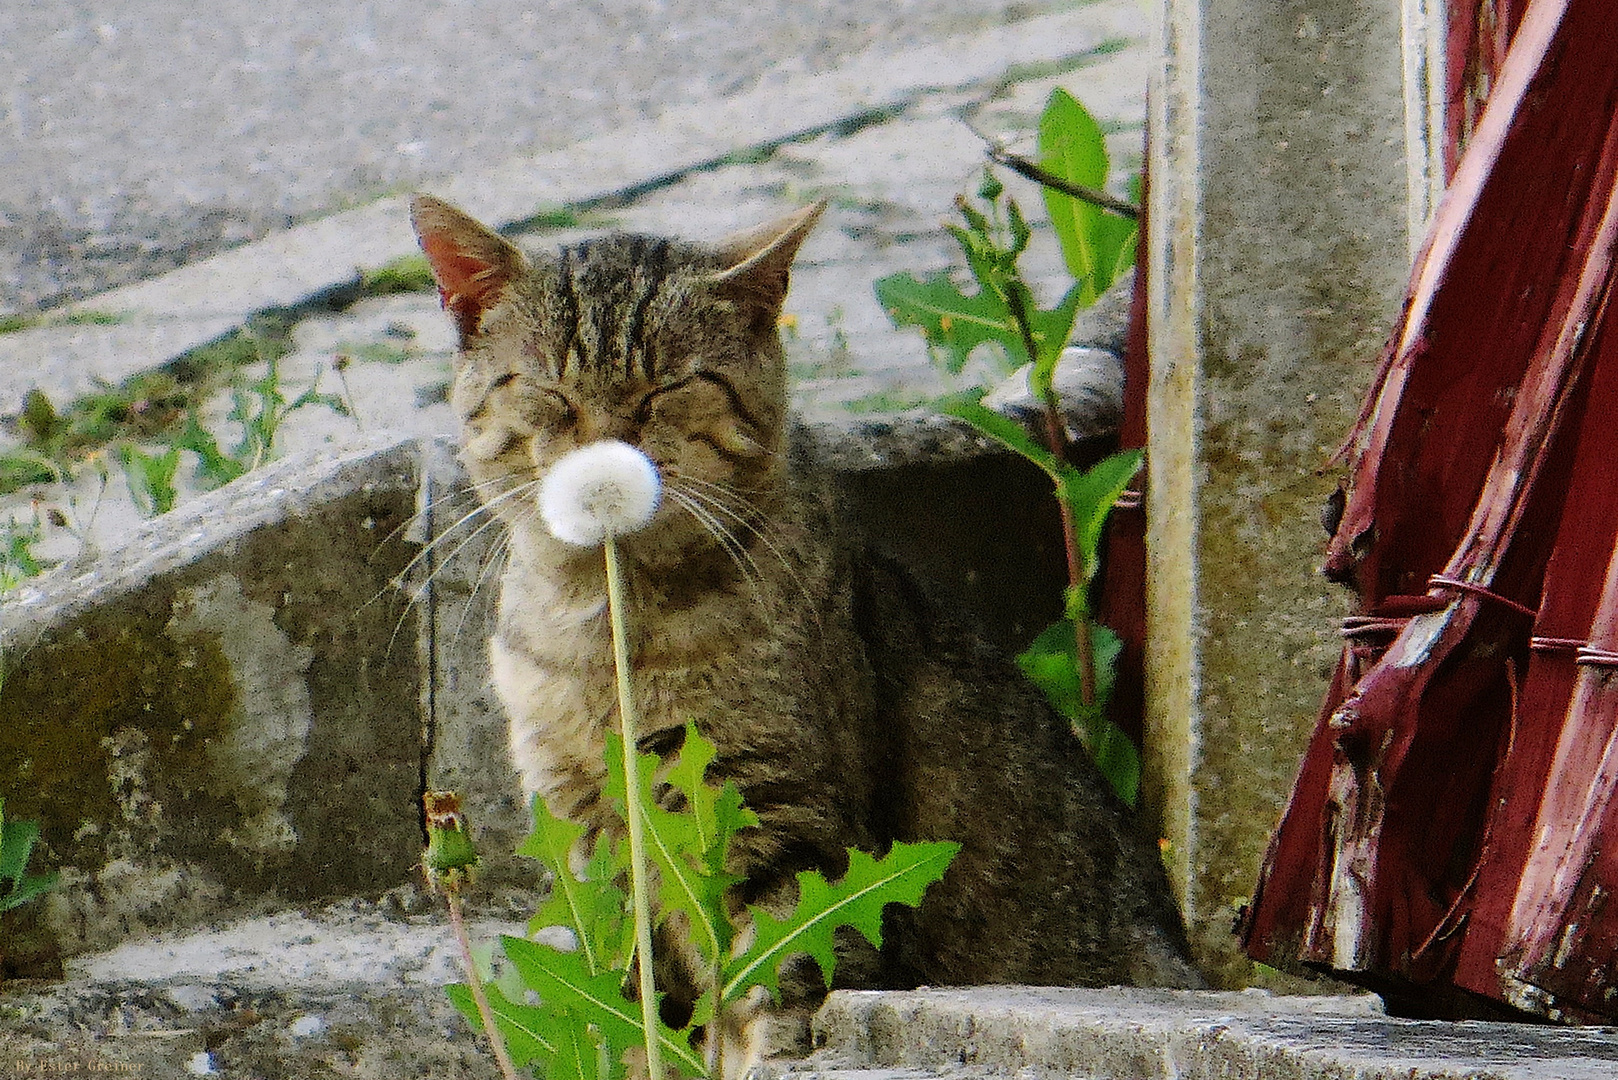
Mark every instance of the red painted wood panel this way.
pixel 1482 512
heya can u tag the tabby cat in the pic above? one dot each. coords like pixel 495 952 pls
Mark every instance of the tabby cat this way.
pixel 848 708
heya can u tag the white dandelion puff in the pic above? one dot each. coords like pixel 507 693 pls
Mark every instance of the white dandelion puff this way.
pixel 607 488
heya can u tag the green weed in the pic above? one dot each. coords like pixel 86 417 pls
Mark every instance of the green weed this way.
pixel 376 352
pixel 262 407
pixel 151 478
pixel 583 1022
pixel 11 324
pixel 17 559
pixel 889 401
pixel 17 886
pixel 409 273
pixel 566 1010
pixel 1073 659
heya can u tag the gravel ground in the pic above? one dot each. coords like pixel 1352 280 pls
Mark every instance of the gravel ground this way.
pixel 137 135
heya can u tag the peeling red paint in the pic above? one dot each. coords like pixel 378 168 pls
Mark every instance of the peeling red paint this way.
pixel 1481 531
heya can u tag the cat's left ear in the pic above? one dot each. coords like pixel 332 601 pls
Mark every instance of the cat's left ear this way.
pixel 471 262
pixel 758 261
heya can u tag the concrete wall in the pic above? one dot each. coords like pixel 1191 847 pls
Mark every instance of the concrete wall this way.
pixel 1281 251
pixel 223 712
pixel 239 708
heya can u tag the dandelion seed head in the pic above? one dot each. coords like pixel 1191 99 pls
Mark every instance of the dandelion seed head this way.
pixel 606 488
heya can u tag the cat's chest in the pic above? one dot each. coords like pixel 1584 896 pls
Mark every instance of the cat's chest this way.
pixel 553 670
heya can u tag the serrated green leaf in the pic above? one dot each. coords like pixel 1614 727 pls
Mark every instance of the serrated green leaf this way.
pixel 675 848
pixel 529 1031
pixel 26 889
pixel 857 900
pixel 689 775
pixel 716 812
pixel 592 907
pixel 562 981
pixel 1091 495
pixel 577 1051
pixel 16 843
pixel 949 319
pixel 1020 232
pixel 1052 330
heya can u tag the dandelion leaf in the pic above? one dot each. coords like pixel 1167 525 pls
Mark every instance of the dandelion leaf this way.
pixel 562 981
pixel 592 906
pixel 857 900
pixel 949 319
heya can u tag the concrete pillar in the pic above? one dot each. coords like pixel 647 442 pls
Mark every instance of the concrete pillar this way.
pixel 1281 221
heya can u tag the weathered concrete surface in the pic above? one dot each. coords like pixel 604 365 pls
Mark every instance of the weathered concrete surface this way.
pixel 353 989
pixel 1187 1035
pixel 135 136
pixel 222 714
pixel 240 707
pixel 196 303
pixel 1296 161
pixel 350 990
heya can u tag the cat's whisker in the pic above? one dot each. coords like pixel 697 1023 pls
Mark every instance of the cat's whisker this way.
pixel 425 514
pixel 418 592
pixel 486 506
pixel 495 556
pixel 753 520
pixel 716 528
pixel 736 504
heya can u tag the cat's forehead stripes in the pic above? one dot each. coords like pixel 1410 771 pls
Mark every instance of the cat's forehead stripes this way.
pixel 606 288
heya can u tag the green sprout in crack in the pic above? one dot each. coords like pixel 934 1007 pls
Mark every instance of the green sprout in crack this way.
pixel 17 886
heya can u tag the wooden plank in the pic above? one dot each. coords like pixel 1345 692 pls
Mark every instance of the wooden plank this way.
pixel 1399 857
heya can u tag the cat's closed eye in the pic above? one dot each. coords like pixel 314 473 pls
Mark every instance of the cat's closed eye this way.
pixel 521 401
pixel 701 408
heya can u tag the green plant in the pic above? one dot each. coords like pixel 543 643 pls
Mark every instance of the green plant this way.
pixel 584 1022
pixel 1073 659
pixel 408 273
pixel 10 324
pixel 150 478
pixel 261 407
pixel 17 886
pixel 17 558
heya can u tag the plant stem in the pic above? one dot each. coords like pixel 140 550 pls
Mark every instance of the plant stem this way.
pixel 1096 197
pixel 1083 642
pixel 1056 439
pixel 639 872
pixel 479 998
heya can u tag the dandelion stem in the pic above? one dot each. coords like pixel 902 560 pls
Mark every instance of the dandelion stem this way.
pixel 638 870
pixel 479 998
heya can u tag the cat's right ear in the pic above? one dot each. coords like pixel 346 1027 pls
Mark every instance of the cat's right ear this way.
pixel 471 263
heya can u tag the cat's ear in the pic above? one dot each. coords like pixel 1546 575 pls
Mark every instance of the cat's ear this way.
pixel 758 261
pixel 471 263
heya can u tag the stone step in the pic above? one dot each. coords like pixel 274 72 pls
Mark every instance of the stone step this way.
pixel 1119 1033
